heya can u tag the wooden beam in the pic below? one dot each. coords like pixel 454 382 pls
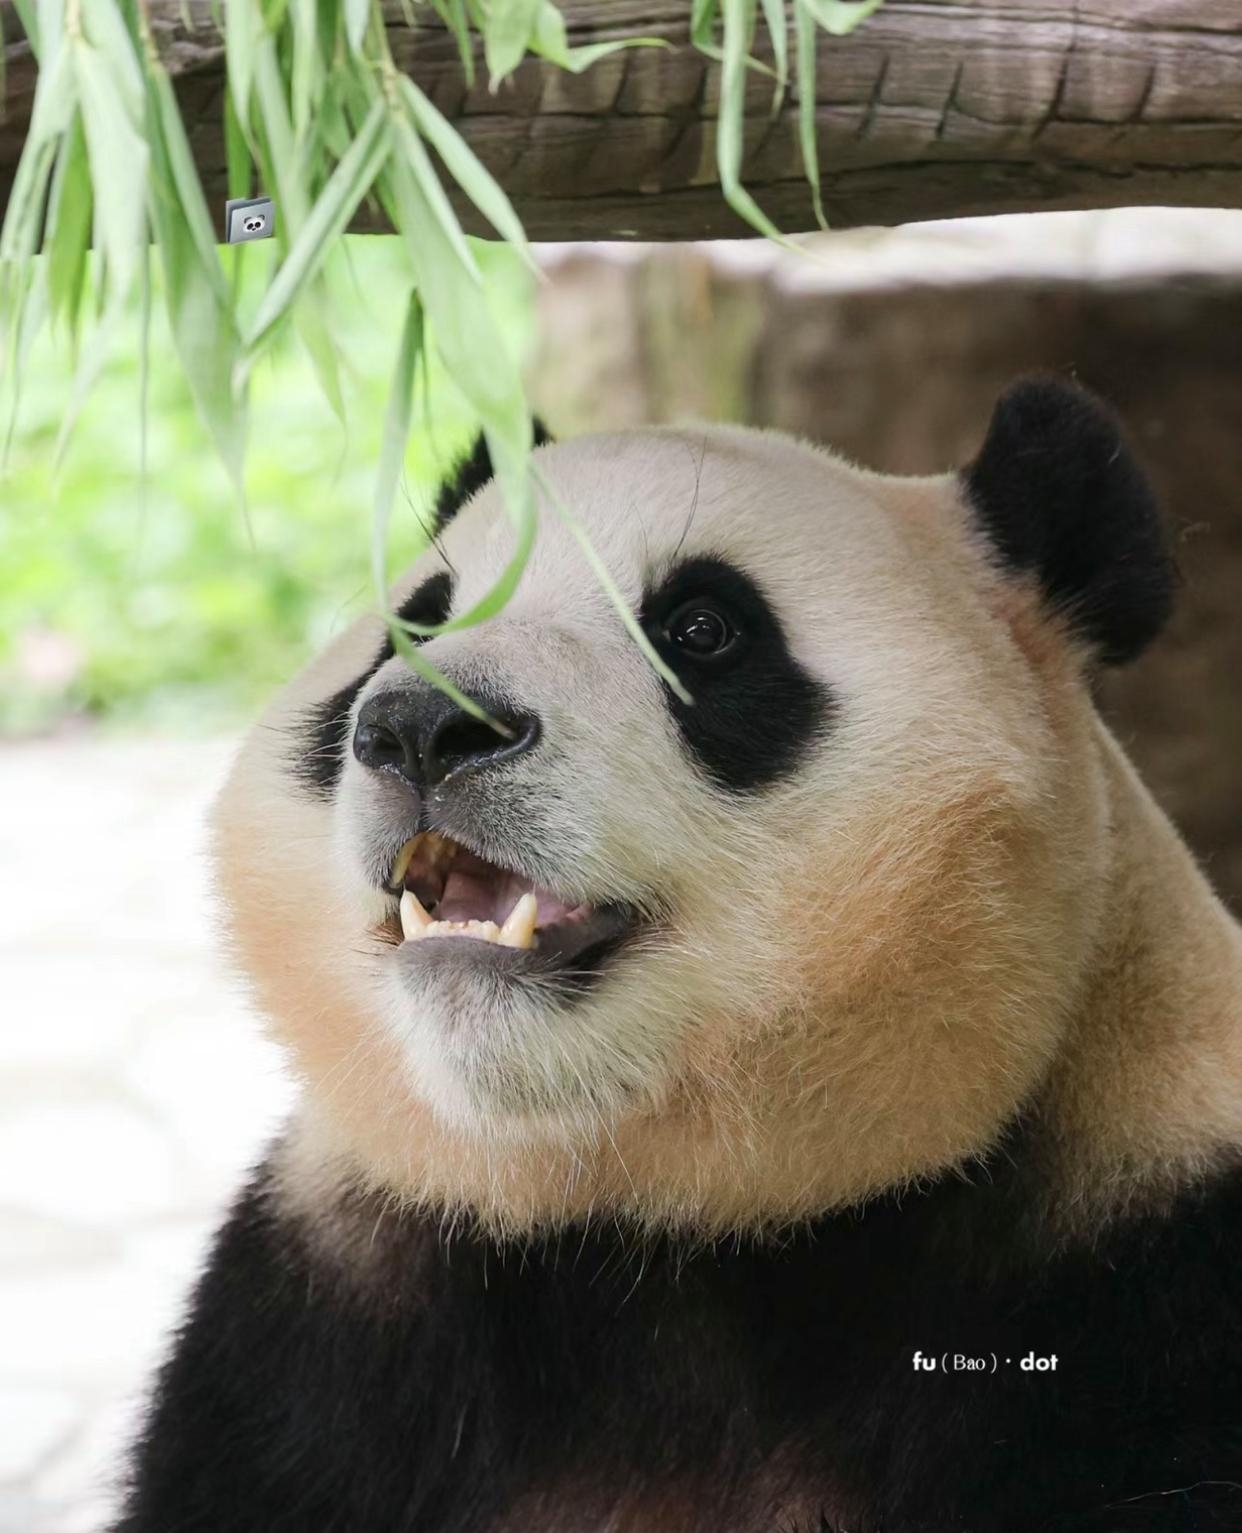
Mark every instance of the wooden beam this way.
pixel 932 109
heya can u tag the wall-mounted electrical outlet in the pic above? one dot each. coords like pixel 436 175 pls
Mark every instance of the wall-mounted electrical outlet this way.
pixel 249 218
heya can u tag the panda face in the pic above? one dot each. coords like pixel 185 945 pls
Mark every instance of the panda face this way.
pixel 618 817
pixel 810 930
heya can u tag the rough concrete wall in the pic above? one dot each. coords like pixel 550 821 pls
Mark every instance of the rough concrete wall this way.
pixel 903 377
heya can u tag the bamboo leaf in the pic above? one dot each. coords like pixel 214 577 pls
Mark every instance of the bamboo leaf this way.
pixel 69 234
pixel 306 73
pixel 494 601
pixel 19 235
pixel 282 162
pixel 27 306
pixel 465 332
pixel 778 30
pixel 104 27
pixel 184 175
pixel 507 31
pixel 417 661
pixel 476 356
pixel 56 99
pixel 703 17
pixel 29 19
pixel 273 14
pixel 198 302
pixel 110 82
pixel 840 17
pixel 467 169
pixel 739 25
pixel 49 26
pixel 207 343
pixel 328 24
pixel 357 14
pixel 808 134
pixel 118 157
pixel 241 30
pixel 396 435
pixel 453 14
pixel 550 40
pixel 239 165
pixel 336 205
pixel 435 204
pixel 236 151
pixel 602 574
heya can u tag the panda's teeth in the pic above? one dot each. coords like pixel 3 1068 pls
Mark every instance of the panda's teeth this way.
pixel 435 850
pixel 404 857
pixel 518 930
pixel 519 927
pixel 415 922
pixel 481 931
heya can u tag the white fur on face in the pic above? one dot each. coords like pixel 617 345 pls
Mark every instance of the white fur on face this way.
pixel 849 978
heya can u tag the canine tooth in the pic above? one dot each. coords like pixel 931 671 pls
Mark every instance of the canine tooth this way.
pixel 437 848
pixel 415 922
pixel 402 862
pixel 519 928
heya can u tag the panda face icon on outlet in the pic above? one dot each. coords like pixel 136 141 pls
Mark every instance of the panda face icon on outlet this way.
pixel 249 218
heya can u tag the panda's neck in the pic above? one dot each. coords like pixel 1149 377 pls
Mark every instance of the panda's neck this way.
pixel 1146 1094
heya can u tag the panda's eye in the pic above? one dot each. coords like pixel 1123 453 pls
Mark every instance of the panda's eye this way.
pixel 701 629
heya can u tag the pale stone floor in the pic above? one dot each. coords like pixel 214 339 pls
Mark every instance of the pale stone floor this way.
pixel 134 1092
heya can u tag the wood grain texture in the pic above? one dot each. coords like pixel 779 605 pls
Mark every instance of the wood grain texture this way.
pixel 932 109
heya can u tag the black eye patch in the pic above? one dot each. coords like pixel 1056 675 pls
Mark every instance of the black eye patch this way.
pixel 321 744
pixel 755 710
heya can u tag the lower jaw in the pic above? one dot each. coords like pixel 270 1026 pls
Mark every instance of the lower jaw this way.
pixel 572 955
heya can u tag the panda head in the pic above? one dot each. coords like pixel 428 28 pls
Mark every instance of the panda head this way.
pixel 813 933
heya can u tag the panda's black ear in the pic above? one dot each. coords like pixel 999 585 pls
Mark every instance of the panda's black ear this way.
pixel 1062 498
pixel 470 475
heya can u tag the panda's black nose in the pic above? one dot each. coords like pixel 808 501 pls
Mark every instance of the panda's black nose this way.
pixel 424 736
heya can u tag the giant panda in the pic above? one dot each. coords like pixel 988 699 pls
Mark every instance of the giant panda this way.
pixel 806 1097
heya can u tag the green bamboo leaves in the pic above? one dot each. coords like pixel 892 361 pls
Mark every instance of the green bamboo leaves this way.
pixel 466 169
pixel 840 17
pixel 397 422
pixel 200 307
pixel 317 107
pixel 735 21
pixel 396 434
pixel 329 217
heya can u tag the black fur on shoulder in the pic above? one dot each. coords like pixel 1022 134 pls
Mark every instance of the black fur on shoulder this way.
pixel 470 475
pixel 1062 497
pixel 397 1380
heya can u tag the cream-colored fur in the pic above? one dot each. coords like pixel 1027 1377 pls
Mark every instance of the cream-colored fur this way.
pixel 962 905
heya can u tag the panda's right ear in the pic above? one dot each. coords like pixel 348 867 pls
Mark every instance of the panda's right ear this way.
pixel 470 474
pixel 1063 500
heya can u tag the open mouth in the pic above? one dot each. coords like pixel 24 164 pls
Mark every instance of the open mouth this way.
pixel 447 891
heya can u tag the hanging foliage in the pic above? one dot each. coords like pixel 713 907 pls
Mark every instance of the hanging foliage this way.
pixel 319 115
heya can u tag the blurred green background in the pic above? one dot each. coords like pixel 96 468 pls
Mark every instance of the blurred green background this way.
pixel 150 601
